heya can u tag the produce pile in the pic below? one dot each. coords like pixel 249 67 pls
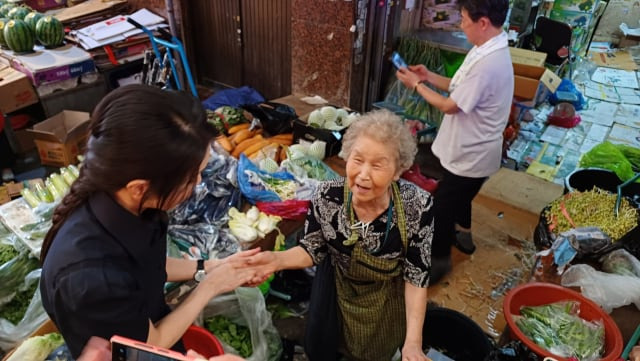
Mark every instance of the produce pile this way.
pixel 20 27
pixel 557 328
pixel 234 335
pixel 594 208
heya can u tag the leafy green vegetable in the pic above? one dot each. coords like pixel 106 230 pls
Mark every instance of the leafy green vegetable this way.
pixel 12 274
pixel 234 335
pixel 7 253
pixel 37 348
pixel 15 309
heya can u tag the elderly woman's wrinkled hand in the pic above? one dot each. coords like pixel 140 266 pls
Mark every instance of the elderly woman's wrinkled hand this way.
pixel 264 263
pixel 413 353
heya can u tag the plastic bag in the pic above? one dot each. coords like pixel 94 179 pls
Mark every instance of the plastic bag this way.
pixel 558 328
pixel 35 315
pixel 608 290
pixel 233 97
pixel 275 118
pixel 606 155
pixel 308 167
pixel 567 86
pixel 246 307
pixel 622 263
pixel 292 209
pixel 252 180
pixel 13 273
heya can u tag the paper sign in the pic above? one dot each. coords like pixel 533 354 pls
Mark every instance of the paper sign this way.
pixel 615 77
pixel 618 60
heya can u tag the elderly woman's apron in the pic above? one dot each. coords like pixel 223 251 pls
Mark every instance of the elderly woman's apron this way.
pixel 371 297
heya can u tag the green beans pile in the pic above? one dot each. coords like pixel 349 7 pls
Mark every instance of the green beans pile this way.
pixel 594 208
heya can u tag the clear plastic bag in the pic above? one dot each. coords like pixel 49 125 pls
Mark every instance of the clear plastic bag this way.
pixel 13 273
pixel 622 263
pixel 246 306
pixel 607 290
pixel 558 328
pixel 35 315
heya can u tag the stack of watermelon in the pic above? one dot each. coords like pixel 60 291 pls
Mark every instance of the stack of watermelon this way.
pixel 22 27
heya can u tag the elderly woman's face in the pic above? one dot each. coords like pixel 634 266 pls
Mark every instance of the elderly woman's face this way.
pixel 371 167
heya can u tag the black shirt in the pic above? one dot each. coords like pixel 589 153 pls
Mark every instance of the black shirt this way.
pixel 105 272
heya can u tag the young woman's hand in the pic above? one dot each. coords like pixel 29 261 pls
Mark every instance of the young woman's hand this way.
pixel 228 276
pixel 635 354
pixel 239 258
pixel 96 349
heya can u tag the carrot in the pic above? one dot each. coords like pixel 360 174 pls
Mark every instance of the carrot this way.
pixel 280 141
pixel 287 136
pixel 224 142
pixel 241 135
pixel 256 147
pixel 238 127
pixel 241 147
pixel 283 153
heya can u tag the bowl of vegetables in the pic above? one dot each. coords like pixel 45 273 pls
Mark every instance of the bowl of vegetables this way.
pixel 528 299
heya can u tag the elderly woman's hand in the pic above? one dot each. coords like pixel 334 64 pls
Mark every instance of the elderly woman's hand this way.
pixel 412 352
pixel 197 356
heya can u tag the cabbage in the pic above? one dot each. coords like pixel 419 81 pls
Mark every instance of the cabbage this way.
pixel 37 348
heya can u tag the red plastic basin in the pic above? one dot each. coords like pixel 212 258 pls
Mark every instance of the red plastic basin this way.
pixel 538 293
pixel 202 341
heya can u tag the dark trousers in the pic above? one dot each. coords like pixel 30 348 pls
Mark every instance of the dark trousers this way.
pixel 452 205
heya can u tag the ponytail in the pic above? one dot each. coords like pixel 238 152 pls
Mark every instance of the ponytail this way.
pixel 79 193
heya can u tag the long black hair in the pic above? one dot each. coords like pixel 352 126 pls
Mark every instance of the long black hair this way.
pixel 139 132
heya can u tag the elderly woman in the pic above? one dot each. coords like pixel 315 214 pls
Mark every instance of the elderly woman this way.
pixel 370 235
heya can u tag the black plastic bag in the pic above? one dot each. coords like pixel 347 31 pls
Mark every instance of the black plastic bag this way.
pixel 275 118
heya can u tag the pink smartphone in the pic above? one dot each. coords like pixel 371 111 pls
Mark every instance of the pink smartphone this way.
pixel 125 349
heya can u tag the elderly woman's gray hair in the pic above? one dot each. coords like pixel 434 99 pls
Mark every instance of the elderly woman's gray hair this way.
pixel 387 128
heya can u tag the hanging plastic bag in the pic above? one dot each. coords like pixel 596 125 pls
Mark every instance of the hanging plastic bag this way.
pixel 35 315
pixel 253 183
pixel 246 307
pixel 606 155
pixel 608 290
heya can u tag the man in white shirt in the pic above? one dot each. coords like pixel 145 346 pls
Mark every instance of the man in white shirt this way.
pixel 469 140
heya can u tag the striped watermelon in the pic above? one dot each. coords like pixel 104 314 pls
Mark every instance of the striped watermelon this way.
pixel 49 31
pixel 4 10
pixel 3 43
pixel 18 13
pixel 18 36
pixel 32 19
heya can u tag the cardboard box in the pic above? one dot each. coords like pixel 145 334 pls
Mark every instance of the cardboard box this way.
pixel 16 89
pixel 531 81
pixel 51 65
pixel 61 138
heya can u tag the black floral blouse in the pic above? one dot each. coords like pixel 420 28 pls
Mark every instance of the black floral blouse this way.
pixel 328 225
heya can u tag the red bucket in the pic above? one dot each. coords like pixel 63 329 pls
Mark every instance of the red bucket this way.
pixel 202 341
pixel 538 293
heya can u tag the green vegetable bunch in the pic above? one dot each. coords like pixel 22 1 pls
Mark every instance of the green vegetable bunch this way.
pixel 594 208
pixel 557 328
pixel 14 310
pixel 7 253
pixel 234 335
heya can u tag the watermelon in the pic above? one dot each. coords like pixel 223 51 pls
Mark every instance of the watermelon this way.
pixel 18 13
pixel 4 10
pixel 18 36
pixel 49 31
pixel 32 19
pixel 3 43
